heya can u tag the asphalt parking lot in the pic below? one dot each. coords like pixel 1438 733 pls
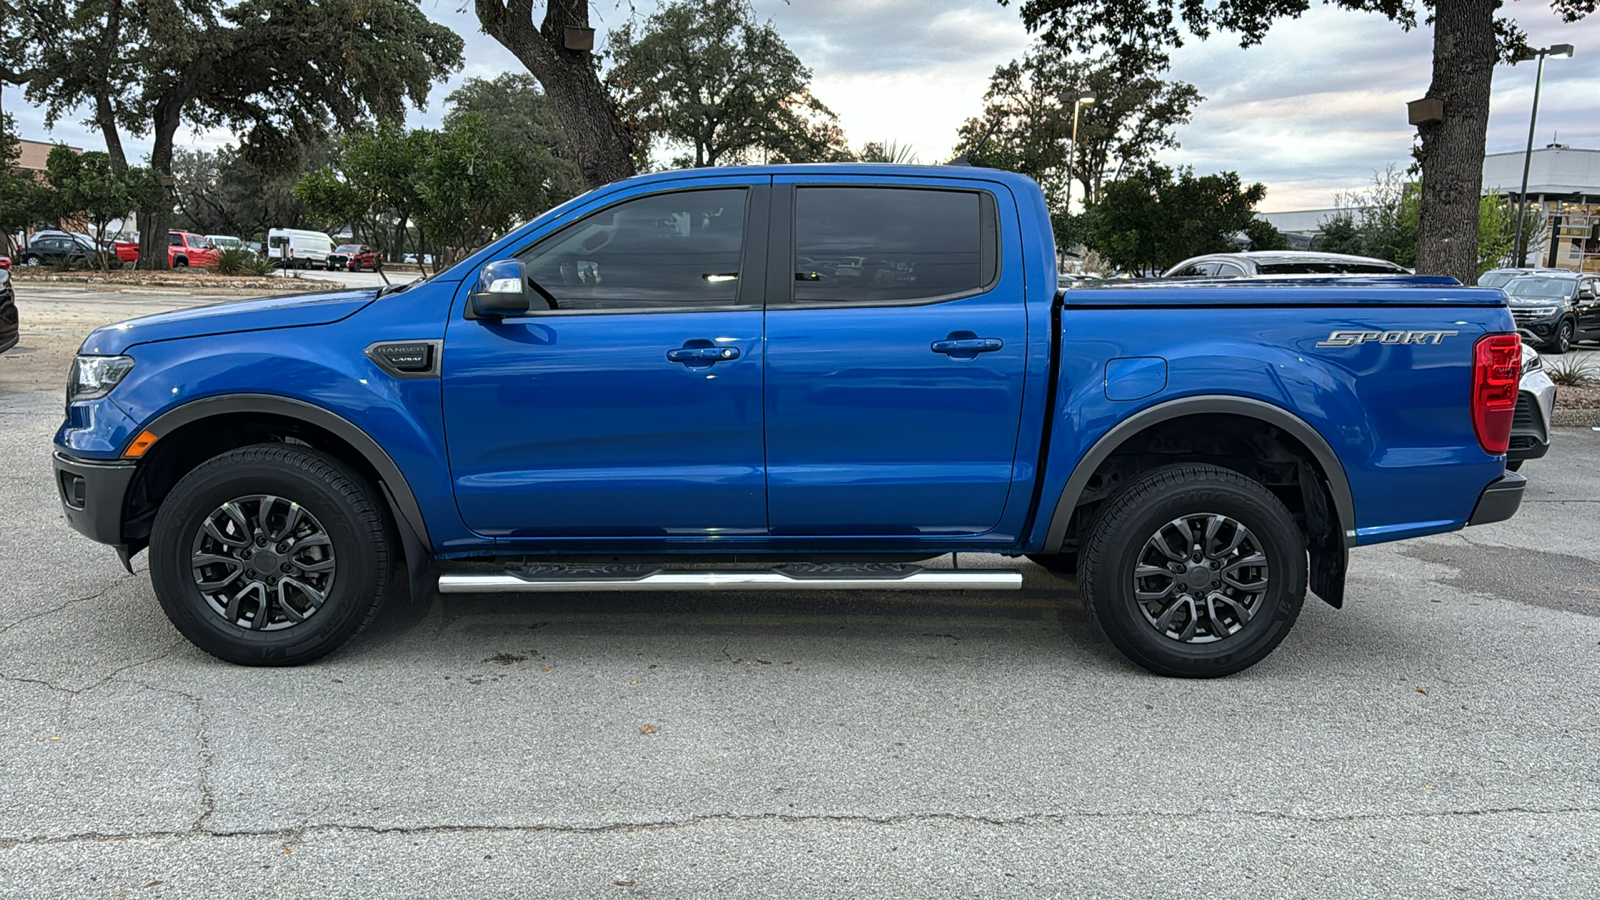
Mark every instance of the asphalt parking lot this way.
pixel 1438 737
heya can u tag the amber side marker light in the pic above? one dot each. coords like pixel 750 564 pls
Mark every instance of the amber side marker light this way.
pixel 140 445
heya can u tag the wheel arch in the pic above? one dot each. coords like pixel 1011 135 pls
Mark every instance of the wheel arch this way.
pixel 263 413
pixel 1329 548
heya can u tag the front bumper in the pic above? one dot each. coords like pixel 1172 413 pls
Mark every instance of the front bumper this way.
pixel 1500 500
pixel 92 495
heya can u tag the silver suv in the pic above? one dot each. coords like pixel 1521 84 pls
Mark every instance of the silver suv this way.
pixel 1281 262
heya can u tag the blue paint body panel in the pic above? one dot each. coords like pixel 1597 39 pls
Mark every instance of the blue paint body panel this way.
pixel 834 430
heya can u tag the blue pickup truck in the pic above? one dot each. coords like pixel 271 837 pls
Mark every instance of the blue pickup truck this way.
pixel 789 378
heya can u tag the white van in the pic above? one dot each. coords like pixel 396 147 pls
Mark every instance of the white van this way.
pixel 299 249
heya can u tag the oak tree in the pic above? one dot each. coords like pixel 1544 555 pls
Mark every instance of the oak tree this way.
pixel 1468 39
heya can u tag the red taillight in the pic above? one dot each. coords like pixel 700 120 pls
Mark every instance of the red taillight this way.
pixel 1496 370
pixel 5 262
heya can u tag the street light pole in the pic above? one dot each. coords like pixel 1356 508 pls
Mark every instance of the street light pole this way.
pixel 1560 50
pixel 1086 98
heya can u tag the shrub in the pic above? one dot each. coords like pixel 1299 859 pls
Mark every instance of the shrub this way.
pixel 234 262
pixel 1571 371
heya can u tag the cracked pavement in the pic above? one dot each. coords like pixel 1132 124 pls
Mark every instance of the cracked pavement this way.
pixel 1436 738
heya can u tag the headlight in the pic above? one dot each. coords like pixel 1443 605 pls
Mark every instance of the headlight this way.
pixel 93 377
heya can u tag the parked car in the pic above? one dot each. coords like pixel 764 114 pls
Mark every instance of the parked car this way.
pixel 295 248
pixel 126 251
pixel 1530 424
pixel 225 242
pixel 354 257
pixel 9 330
pixel 1281 262
pixel 185 249
pixel 1498 277
pixel 58 247
pixel 637 376
pixel 1555 308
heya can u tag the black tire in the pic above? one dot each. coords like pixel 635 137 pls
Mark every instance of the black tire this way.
pixel 1562 342
pixel 181 262
pixel 1060 563
pixel 32 259
pixel 1127 527
pixel 354 266
pixel 333 497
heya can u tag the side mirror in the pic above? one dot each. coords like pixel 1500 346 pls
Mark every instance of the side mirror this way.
pixel 500 291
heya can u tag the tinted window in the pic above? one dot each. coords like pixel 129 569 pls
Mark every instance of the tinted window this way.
pixel 662 251
pixel 1193 271
pixel 873 245
pixel 1229 270
pixel 175 240
pixel 1494 279
pixel 1536 287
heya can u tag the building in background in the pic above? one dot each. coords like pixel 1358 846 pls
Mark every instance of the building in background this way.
pixel 1563 185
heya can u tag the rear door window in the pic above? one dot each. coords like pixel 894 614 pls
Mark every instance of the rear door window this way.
pixel 875 245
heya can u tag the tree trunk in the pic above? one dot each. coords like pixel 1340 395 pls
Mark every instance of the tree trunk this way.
pixel 156 221
pixel 601 140
pixel 1464 57
pixel 104 115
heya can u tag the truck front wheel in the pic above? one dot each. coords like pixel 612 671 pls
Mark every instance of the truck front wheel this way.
pixel 1194 571
pixel 271 555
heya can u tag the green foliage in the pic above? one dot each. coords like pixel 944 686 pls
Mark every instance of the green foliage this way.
pixel 1156 217
pixel 88 185
pixel 708 77
pixel 460 185
pixel 277 72
pixel 1571 370
pixel 887 152
pixel 222 192
pixel 1026 125
pixel 22 200
pixel 1382 221
pixel 517 115
pixel 1264 235
pixel 240 261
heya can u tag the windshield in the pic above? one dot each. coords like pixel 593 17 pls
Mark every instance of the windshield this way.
pixel 1535 287
pixel 348 248
pixel 1317 267
pixel 1495 279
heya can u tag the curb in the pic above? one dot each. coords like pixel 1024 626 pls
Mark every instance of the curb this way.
pixel 193 283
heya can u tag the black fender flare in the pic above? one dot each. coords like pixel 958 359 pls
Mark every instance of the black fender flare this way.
pixel 393 480
pixel 1204 404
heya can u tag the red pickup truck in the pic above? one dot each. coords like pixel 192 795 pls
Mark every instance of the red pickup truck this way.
pixel 354 257
pixel 188 249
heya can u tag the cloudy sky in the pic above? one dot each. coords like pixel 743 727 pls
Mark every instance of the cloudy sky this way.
pixel 1315 109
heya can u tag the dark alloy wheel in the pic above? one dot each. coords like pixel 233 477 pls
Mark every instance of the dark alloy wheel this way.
pixel 272 555
pixel 1562 342
pixel 263 562
pixel 1194 571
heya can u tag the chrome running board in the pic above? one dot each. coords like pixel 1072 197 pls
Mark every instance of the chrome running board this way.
pixel 787 577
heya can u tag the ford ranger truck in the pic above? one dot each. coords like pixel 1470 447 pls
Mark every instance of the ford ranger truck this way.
pixel 789 378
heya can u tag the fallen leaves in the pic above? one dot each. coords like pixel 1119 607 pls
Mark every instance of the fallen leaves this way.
pixel 647 728
pixel 1423 691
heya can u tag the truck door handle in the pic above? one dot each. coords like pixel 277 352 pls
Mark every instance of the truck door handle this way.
pixel 702 354
pixel 964 346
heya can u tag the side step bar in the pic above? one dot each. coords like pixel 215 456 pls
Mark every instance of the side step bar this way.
pixel 789 577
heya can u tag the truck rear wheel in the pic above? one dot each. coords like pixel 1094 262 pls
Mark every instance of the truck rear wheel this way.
pixel 271 555
pixel 1194 571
